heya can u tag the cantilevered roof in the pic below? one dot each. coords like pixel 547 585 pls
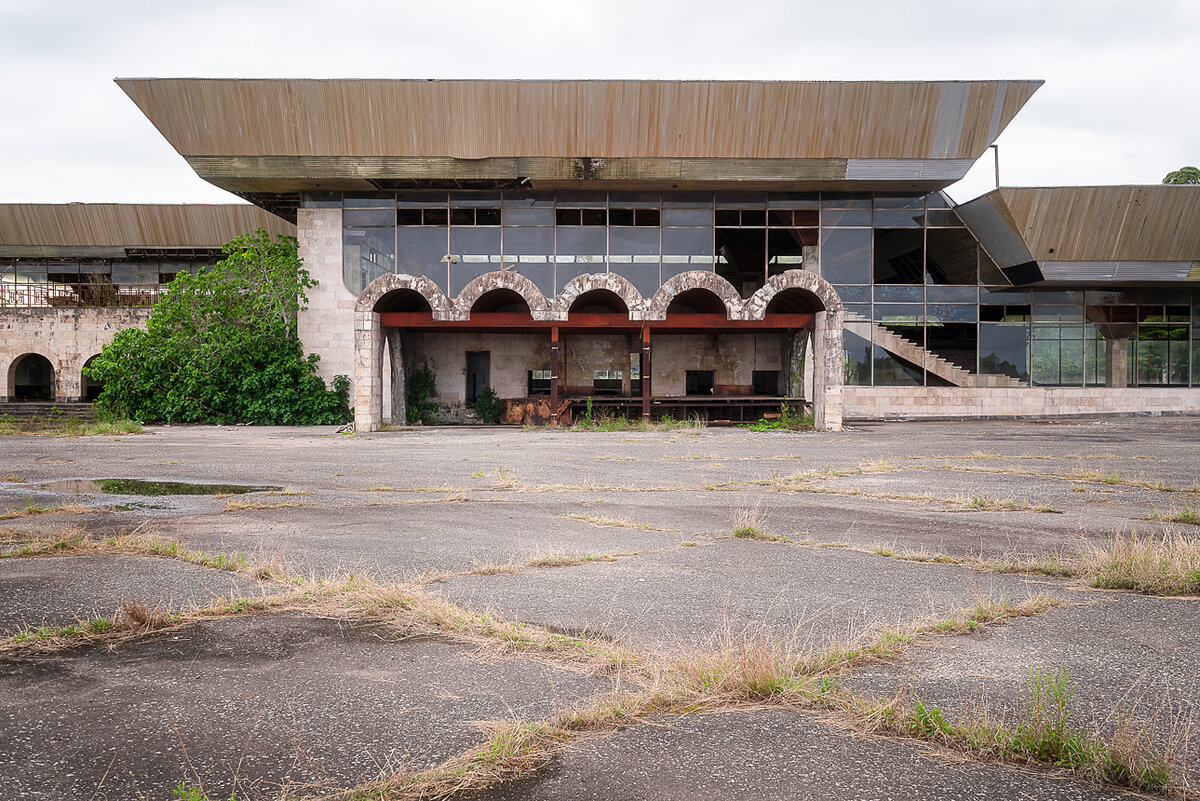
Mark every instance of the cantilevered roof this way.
pixel 1091 233
pixel 277 136
pixel 42 229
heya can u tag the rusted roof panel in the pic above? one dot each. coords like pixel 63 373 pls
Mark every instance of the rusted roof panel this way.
pixel 1107 223
pixel 131 225
pixel 475 119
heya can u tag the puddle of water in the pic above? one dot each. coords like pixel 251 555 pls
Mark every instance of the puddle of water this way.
pixel 137 486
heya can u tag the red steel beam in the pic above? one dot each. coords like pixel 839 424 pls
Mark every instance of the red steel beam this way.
pixel 675 322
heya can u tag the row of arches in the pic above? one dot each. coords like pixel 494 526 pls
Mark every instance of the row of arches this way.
pixel 795 291
pixel 32 377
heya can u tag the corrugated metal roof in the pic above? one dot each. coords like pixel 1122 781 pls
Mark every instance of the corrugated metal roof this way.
pixel 474 119
pixel 131 225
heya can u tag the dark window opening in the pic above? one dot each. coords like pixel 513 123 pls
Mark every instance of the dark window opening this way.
pixel 699 382
pixel 899 256
pixel 766 382
pixel 539 382
pixel 32 379
pixel 607 382
pixel 742 258
pixel 478 373
pixel 91 387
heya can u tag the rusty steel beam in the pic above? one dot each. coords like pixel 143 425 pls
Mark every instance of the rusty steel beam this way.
pixel 511 320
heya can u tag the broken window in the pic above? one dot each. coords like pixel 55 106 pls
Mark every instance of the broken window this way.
pixel 766 382
pixel 607 382
pixel 539 382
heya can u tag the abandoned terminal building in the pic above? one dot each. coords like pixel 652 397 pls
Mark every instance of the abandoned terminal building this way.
pixel 661 247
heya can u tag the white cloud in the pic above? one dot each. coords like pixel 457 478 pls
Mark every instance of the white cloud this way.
pixel 1117 106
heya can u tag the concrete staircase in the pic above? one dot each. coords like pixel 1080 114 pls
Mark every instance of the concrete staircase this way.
pixel 913 353
pixel 25 409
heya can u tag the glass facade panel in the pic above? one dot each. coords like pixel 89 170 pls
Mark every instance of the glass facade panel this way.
pixel 951 257
pixel 422 251
pixel 688 217
pixel 1004 350
pixel 1162 358
pixel 846 210
pixel 686 249
pixel 899 256
pixel 369 253
pixel 1057 355
pixel 856 345
pixel 634 254
pixel 584 248
pixel 846 256
pixel 898 293
pixel 473 252
pixel 899 212
pixel 530 251
pixel 956 342
pixel 854 294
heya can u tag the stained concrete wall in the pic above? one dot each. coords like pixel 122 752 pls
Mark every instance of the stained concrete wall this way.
pixel 66 337
pixel 512 356
pixel 327 326
pixel 874 403
pixel 733 358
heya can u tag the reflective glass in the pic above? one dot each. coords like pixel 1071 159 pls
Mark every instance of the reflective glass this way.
pixel 899 293
pixel 584 246
pixel 366 200
pixel 794 200
pixel 856 345
pixel 845 211
pixel 854 294
pixel 950 294
pixel 422 251
pixel 1057 355
pixel 375 218
pixel 687 216
pixel 899 313
pixel 368 254
pixel 857 311
pixel 951 312
pixel 530 251
pixel 634 254
pixel 899 256
pixel 692 247
pixel 473 252
pixel 1004 350
pixel 954 341
pixel 951 257
pixel 899 212
pixel 741 200
pixel 135 273
pixel 475 199
pixel 990 294
pixel 1162 355
pixel 846 256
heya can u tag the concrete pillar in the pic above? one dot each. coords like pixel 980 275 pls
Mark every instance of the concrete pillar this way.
pixel 1116 357
pixel 827 377
pixel 798 364
pixel 368 372
pixel 399 352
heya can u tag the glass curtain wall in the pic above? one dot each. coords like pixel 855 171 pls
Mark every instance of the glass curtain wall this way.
pixel 99 282
pixel 919 291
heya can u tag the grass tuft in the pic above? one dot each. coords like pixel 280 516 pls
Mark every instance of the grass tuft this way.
pixel 1154 565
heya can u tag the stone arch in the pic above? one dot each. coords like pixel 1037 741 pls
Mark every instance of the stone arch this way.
pixel 392 282
pixel 756 305
pixel 589 282
pixel 15 393
pixel 89 388
pixel 695 279
pixel 480 285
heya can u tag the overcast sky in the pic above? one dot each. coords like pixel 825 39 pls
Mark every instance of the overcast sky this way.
pixel 1119 104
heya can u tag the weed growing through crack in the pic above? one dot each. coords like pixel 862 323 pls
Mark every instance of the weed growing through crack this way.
pixel 569 560
pixel 1156 565
pixel 750 523
pixel 1189 515
pixel 613 522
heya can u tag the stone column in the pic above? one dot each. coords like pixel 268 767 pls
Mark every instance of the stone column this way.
pixel 368 372
pixel 827 377
pixel 398 350
pixel 798 364
pixel 1116 357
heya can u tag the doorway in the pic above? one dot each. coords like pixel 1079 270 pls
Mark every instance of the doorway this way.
pixel 479 365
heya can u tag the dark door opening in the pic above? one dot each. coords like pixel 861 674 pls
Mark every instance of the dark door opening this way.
pixel 479 366
pixel 32 379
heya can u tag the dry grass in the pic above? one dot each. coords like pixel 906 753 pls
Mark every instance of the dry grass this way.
pixel 30 509
pixel 569 560
pixel 1189 515
pixel 750 523
pixel 614 522
pixel 1168 564
pixel 237 505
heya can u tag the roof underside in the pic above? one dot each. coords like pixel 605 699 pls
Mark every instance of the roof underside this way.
pixel 1092 233
pixel 37 229
pixel 279 136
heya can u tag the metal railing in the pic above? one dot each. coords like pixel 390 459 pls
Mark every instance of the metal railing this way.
pixel 89 294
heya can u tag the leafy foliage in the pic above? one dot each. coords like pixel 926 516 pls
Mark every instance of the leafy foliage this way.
pixel 421 387
pixel 222 346
pixel 488 406
pixel 1184 175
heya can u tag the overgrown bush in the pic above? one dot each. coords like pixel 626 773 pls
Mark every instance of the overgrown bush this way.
pixel 421 387
pixel 222 346
pixel 488 406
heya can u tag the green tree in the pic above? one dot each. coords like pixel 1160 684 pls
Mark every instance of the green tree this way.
pixel 222 346
pixel 1184 175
